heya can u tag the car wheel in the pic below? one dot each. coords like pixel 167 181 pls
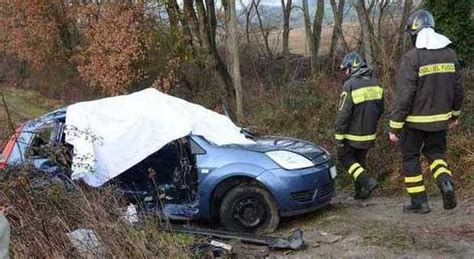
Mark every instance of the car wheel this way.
pixel 249 208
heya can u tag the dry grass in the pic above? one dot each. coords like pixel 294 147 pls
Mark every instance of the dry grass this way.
pixel 44 209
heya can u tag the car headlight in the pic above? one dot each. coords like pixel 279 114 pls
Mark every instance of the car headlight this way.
pixel 289 160
pixel 321 159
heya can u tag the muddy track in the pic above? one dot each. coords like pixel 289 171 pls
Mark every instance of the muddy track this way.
pixel 379 228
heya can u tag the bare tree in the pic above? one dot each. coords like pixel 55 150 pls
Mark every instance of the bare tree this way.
pixel 366 28
pixel 206 29
pixel 172 9
pixel 313 37
pixel 212 21
pixel 309 36
pixel 248 18
pixel 317 26
pixel 401 29
pixel 286 8
pixel 190 19
pixel 338 10
pixel 265 30
pixel 229 6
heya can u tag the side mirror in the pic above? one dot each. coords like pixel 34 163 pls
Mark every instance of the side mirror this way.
pixel 248 133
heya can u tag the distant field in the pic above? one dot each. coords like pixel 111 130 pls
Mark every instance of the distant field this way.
pixel 298 39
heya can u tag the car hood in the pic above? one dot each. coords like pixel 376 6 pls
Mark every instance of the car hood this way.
pixel 271 143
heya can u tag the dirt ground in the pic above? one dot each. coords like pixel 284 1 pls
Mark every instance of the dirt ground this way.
pixel 379 228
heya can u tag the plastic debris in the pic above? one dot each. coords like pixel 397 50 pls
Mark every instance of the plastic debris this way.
pixel 131 214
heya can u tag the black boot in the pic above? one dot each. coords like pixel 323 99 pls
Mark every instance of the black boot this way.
pixel 366 186
pixel 449 198
pixel 358 189
pixel 419 204
pixel 417 208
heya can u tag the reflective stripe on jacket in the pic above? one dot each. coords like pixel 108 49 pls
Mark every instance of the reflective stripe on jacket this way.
pixel 360 108
pixel 429 90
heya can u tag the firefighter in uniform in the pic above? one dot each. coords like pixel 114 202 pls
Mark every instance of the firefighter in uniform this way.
pixel 428 102
pixel 360 108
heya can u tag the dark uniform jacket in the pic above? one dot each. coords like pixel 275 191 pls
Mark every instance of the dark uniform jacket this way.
pixel 360 108
pixel 429 90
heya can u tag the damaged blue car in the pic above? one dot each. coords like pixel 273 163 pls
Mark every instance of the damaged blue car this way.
pixel 245 188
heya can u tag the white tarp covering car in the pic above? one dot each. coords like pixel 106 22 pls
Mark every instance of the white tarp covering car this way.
pixel 111 135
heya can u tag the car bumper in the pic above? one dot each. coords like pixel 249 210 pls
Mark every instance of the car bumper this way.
pixel 300 191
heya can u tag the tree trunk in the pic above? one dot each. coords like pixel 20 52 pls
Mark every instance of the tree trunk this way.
pixel 401 29
pixel 366 29
pixel 172 9
pixel 338 11
pixel 234 47
pixel 317 26
pixel 202 19
pixel 191 19
pixel 286 8
pixel 223 76
pixel 286 25
pixel 309 37
pixel 212 21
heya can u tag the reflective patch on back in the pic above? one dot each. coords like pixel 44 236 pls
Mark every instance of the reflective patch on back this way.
pixel 365 94
pixel 436 68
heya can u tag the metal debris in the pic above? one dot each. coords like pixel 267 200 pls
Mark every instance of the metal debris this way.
pixel 294 242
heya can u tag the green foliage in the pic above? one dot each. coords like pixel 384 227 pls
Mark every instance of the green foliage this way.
pixel 453 18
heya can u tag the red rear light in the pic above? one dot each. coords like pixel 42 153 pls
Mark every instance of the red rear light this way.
pixel 8 148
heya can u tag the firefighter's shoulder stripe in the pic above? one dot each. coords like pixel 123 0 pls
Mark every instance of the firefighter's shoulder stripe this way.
pixel 368 93
pixel 436 68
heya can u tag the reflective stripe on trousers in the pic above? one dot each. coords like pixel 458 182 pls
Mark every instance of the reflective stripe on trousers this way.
pixel 355 170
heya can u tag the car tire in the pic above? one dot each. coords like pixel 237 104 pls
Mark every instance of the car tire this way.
pixel 249 208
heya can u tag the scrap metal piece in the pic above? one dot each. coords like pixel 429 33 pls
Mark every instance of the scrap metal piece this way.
pixel 294 242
